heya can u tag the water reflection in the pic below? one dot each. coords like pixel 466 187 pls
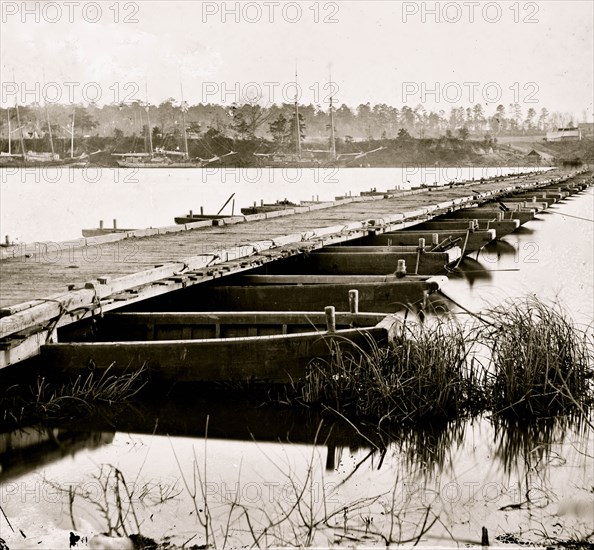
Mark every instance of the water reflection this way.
pixel 527 445
pixel 472 271
pixel 442 480
pixel 498 248
pixel 523 230
pixel 27 449
pixel 430 447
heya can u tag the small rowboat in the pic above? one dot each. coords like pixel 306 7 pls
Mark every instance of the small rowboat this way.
pixel 273 347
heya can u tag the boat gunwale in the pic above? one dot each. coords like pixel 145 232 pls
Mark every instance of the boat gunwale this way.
pixel 257 317
pixel 386 324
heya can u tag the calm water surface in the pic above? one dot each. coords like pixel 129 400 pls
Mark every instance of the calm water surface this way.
pixel 440 486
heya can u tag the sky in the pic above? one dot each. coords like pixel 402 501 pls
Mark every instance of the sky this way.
pixel 438 54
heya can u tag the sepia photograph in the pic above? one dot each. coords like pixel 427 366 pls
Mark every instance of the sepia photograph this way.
pixel 289 274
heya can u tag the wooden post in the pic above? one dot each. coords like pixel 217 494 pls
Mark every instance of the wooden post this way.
pixel 500 216
pixel 262 202
pixel 401 269
pixel 330 318
pixel 233 207
pixel 100 224
pixel 421 244
pixel 331 458
pixel 354 301
pixel 485 537
pixel 7 240
pixel 435 239
pixel 317 198
pixel 115 223
pixel 254 204
pixel 202 210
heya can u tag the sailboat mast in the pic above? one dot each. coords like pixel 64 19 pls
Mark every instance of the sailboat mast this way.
pixel 183 110
pixel 49 126
pixel 297 123
pixel 22 140
pixel 16 106
pixel 49 129
pixel 9 132
pixel 333 138
pixel 72 134
pixel 150 134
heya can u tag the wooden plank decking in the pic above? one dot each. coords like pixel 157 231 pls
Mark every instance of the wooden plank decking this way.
pixel 47 268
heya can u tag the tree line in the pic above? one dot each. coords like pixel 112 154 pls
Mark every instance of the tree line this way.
pixel 277 122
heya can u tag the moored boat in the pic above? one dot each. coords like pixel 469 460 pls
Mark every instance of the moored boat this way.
pixel 268 207
pixel 377 293
pixel 273 347
pixel 191 218
pixel 164 160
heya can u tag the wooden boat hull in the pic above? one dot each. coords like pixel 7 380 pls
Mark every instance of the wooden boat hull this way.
pixel 37 163
pixel 475 240
pixel 278 359
pixel 523 205
pixel 346 260
pixel 100 232
pixel 491 214
pixel 502 228
pixel 264 208
pixel 127 164
pixel 529 201
pixel 289 164
pixel 374 296
pixel 353 260
pixel 540 199
pixel 182 220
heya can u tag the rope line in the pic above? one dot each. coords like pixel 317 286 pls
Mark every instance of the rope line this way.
pixel 463 248
pixel 570 216
pixel 471 313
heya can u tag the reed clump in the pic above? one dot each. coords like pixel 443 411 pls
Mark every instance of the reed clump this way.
pixel 47 400
pixel 542 363
pixel 538 363
pixel 425 373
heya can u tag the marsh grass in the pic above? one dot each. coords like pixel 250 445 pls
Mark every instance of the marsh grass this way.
pixel 538 363
pixel 47 400
pixel 427 372
pixel 542 363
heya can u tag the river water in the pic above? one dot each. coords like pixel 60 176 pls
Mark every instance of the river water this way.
pixel 269 477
